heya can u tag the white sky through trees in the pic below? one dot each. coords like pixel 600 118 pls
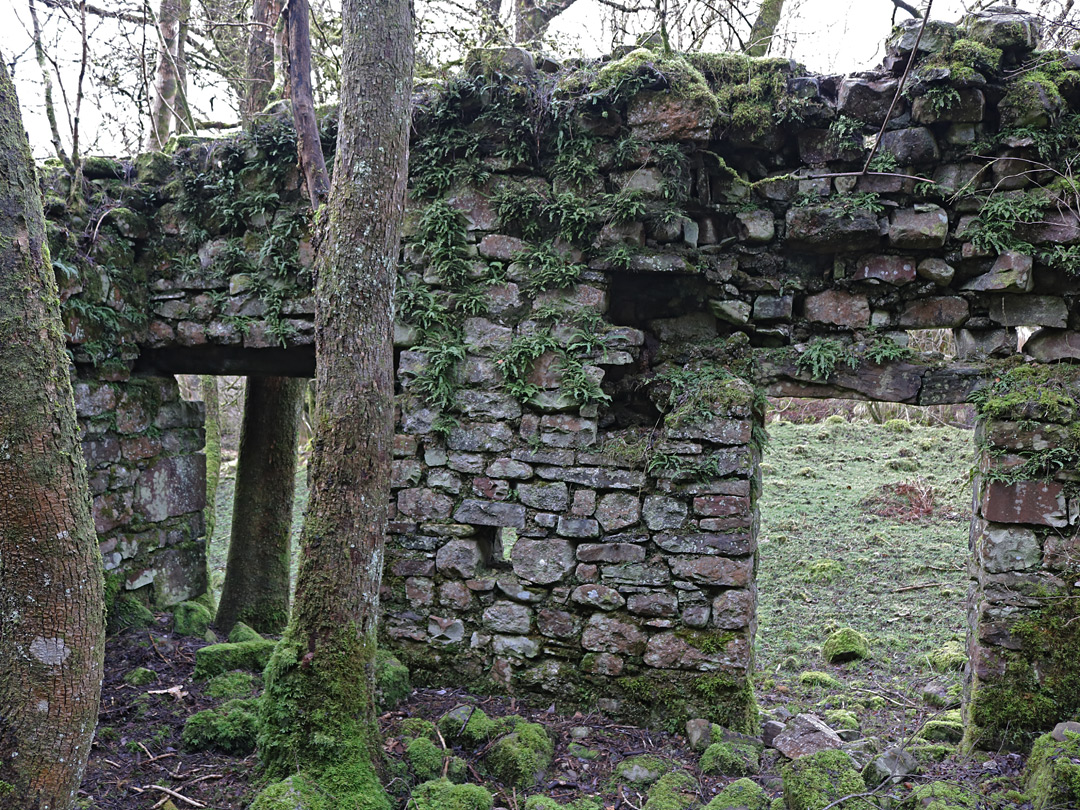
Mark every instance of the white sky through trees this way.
pixel 828 36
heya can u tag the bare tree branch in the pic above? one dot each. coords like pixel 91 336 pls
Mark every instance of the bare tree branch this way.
pixel 910 9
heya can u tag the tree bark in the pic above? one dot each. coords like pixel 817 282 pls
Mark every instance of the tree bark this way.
pixel 208 389
pixel 261 57
pixel 169 103
pixel 531 19
pixel 256 589
pixel 309 145
pixel 52 615
pixel 318 709
pixel 764 27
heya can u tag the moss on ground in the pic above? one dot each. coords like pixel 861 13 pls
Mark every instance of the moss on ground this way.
pixel 822 680
pixel 441 794
pixel 730 759
pixel 230 728
pixel 1052 772
pixel 845 644
pixel 216 659
pixel 191 619
pixel 816 780
pixel 391 680
pixel 521 757
pixel 842 719
pixel 940 796
pixel 673 791
pixel 235 684
pixel 643 769
pixel 140 676
pixel 742 794
pixel 544 803
pixel 242 632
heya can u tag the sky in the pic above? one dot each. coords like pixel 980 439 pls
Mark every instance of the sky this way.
pixel 828 36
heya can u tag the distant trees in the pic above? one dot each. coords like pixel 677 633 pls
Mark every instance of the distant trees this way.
pixel 52 621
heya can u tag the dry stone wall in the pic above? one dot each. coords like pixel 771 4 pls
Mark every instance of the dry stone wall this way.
pixel 605 266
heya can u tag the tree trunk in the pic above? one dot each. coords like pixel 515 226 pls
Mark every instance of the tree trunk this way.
pixel 261 62
pixel 52 615
pixel 307 131
pixel 531 19
pixel 318 709
pixel 169 104
pixel 256 589
pixel 764 27
pixel 208 389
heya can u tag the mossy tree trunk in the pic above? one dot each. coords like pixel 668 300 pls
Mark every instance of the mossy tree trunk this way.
pixel 764 27
pixel 264 45
pixel 169 103
pixel 52 616
pixel 256 589
pixel 208 389
pixel 318 709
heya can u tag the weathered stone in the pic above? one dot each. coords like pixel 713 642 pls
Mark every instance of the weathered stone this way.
pixel 1029 310
pixel 671 651
pixel 578 527
pixel 610 552
pixel 171 487
pixel 602 664
pixel 824 228
pixel 515 646
pixel 483 337
pixel 552 497
pixel 838 308
pixel 653 604
pixel 724 571
pixel 818 146
pixel 508 468
pixel 664 117
pixel 892 766
pixel 935 313
pixel 419 592
pixel 979 344
pixel 618 510
pixel 488 405
pixel 542 561
pixel 490 513
pixel 501 247
pixel 1040 503
pixel 773 308
pixel 1007 548
pixel 111 510
pixel 734 609
pixel 480 437
pixel 455 595
pixel 598 596
pixel 413 567
pixel 491 488
pixel 967 106
pixel 598 478
pixel 612 635
pixel 662 512
pixel 718 431
pixel 736 312
pixel 557 623
pixel 912 145
pixel 423 504
pixel 460 558
pixel 652 573
pixel 562 430
pixel 1048 345
pixel 755 227
pixel 1010 29
pixel 1011 273
pixel 707 543
pixel 804 735
pixel 865 99
pixel 921 227
pixel 584 503
pixel 508 617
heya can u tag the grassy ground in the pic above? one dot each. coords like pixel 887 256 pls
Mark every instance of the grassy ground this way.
pixel 862 526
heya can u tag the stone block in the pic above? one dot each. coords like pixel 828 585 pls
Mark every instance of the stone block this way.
pixel 1049 345
pixel 866 99
pixel 490 513
pixel 895 270
pixel 597 596
pixel 968 106
pixel 423 504
pixel 826 229
pixel 613 635
pixel 1029 310
pixel 171 487
pixel 460 558
pixel 542 562
pixel 618 510
pixel 610 552
pixel 666 117
pixel 663 512
pixel 1007 548
pixel 480 437
pixel 936 270
pixel 1040 503
pixel 722 571
pixel 1011 273
pixel 671 651
pixel 912 145
pixel 549 496
pixel 728 544
pixel 578 527
pixel 923 227
pixel 935 313
pixel 734 609
pixel 838 308
pixel 508 617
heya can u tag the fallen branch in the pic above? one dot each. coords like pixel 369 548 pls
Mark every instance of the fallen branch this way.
pixel 919 587
pixel 178 796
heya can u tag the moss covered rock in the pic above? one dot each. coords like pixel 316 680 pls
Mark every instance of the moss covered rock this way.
pixel 350 786
pixel 242 632
pixel 946 728
pixel 442 794
pixel 469 725
pixel 140 676
pixel 544 803
pixel 842 719
pixel 820 679
pixel 1052 773
pixel 673 791
pixel 845 644
pixel 230 728
pixel 742 794
pixel 643 769
pixel 949 657
pixel 425 759
pixel 215 659
pixel 391 680
pixel 127 611
pixel 414 727
pixel 816 780
pixel 730 759
pixel 940 796
pixel 191 619
pixel 521 757
pixel 235 684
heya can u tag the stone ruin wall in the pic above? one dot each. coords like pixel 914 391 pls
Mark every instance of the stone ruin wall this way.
pixel 575 470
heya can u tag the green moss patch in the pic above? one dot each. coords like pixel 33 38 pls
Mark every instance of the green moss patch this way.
pixel 216 659
pixel 730 759
pixel 442 794
pixel 391 680
pixel 521 757
pixel 948 728
pixel 1052 773
pixel 242 632
pixel 816 780
pixel 140 676
pixel 842 719
pixel 127 611
pixel 822 680
pixel 230 728
pixel 642 769
pixel 940 796
pixel 235 684
pixel 191 619
pixel 672 791
pixel 544 803
pixel 742 794
pixel 949 657
pixel 351 786
pixel 845 644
